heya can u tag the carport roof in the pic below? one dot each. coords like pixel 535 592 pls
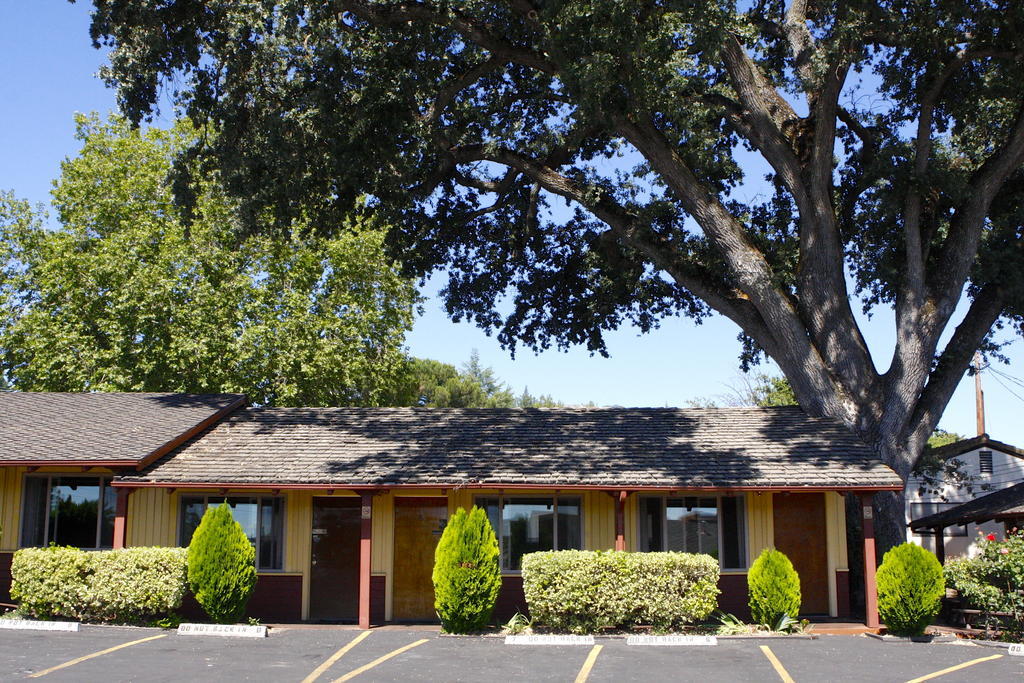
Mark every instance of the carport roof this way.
pixel 774 448
pixel 1008 502
pixel 110 429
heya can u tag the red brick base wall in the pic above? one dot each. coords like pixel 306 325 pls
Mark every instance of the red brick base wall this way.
pixel 842 593
pixel 378 589
pixel 511 599
pixel 733 596
pixel 276 599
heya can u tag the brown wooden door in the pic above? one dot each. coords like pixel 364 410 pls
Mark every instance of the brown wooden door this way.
pixel 801 534
pixel 418 526
pixel 334 571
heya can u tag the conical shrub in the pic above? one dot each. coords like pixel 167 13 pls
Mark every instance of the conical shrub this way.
pixel 221 566
pixel 773 588
pixel 910 589
pixel 466 575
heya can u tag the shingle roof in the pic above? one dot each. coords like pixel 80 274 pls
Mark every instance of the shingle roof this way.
pixel 951 450
pixel 1003 503
pixel 116 428
pixel 641 447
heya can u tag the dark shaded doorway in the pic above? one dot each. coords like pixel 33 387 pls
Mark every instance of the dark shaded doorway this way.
pixel 334 570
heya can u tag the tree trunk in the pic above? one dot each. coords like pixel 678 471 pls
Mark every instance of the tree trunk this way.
pixel 890 522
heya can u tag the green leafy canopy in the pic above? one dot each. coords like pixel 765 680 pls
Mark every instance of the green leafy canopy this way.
pixel 127 296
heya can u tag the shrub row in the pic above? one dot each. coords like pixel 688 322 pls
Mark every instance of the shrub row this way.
pixel 583 591
pixel 128 585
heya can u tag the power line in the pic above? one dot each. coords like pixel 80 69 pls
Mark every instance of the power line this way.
pixel 1007 376
pixel 1003 385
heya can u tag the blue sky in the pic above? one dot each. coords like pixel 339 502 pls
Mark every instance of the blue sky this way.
pixel 48 74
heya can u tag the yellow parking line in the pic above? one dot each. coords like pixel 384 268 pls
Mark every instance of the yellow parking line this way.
pixel 366 667
pixel 776 664
pixel 334 658
pixel 94 654
pixel 954 668
pixel 584 673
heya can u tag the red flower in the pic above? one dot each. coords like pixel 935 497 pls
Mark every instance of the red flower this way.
pixel 991 537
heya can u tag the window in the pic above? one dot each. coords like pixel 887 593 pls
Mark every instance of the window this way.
pixel 529 524
pixel 985 462
pixel 713 525
pixel 68 510
pixel 919 510
pixel 262 518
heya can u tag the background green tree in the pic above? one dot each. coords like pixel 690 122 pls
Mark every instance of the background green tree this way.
pixel 891 135
pixel 434 384
pixel 128 296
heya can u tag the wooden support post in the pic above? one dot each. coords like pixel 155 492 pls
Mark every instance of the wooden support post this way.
pixel 365 547
pixel 870 587
pixel 940 544
pixel 121 518
pixel 620 520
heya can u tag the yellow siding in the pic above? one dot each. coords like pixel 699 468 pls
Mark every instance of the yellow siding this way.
pixel 835 527
pixel 760 525
pixel 383 547
pixel 599 521
pixel 152 517
pixel 298 511
pixel 10 506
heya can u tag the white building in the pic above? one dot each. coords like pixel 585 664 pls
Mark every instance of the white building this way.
pixel 990 466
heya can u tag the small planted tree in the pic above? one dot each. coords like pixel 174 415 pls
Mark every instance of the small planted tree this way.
pixel 467 575
pixel 221 566
pixel 910 589
pixel 773 588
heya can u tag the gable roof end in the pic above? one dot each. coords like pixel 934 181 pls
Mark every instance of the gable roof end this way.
pixel 103 429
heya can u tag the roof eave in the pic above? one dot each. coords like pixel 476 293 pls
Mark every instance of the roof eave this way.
pixel 349 486
pixel 70 463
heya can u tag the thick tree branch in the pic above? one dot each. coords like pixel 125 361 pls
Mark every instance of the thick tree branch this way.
pixel 958 252
pixel 767 113
pixel 801 44
pixel 968 336
pixel 631 232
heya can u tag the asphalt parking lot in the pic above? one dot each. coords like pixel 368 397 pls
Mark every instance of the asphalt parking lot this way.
pixel 132 654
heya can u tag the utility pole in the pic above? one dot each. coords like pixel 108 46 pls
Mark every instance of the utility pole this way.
pixel 979 395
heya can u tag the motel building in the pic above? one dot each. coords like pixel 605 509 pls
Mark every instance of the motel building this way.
pixel 346 505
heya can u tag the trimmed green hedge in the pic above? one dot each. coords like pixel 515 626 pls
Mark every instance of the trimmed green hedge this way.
pixel 126 586
pixel 583 591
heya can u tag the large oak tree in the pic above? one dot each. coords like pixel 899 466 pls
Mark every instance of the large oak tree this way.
pixel 591 161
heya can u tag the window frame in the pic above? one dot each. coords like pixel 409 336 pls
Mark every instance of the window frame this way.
pixel 103 480
pixel 219 498
pixel 502 498
pixel 664 497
